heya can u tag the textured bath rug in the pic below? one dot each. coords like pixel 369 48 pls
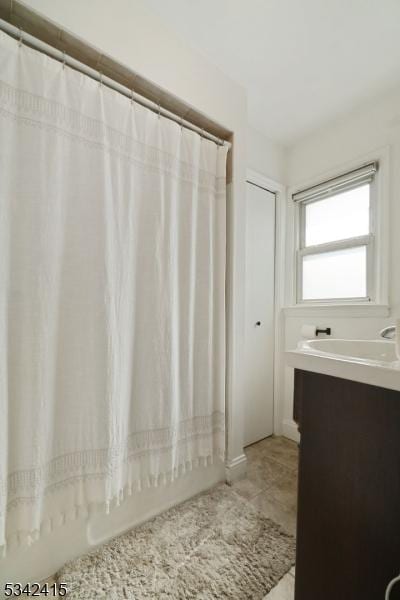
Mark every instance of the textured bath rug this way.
pixel 216 545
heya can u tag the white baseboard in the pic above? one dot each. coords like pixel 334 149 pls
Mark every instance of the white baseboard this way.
pixel 289 430
pixel 236 468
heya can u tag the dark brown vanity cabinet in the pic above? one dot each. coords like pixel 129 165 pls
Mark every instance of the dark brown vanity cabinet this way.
pixel 348 530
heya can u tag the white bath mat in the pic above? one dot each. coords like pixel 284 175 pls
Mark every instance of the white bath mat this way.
pixel 214 546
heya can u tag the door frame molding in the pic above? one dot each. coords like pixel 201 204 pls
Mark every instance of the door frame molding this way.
pixel 279 189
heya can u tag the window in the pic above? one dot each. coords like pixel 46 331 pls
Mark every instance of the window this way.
pixel 335 255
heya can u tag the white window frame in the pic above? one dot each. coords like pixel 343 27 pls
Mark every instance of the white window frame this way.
pixel 355 242
pixel 376 302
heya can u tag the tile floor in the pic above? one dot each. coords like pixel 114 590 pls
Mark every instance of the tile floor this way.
pixel 271 485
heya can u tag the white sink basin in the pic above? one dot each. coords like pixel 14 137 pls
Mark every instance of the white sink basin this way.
pixel 368 361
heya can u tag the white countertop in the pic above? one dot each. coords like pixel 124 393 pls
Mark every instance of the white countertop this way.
pixel 367 361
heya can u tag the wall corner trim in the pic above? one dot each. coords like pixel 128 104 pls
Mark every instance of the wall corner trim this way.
pixel 236 468
pixel 289 430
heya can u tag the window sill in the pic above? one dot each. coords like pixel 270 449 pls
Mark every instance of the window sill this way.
pixel 337 310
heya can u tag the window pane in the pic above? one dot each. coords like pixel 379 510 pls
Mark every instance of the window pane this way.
pixel 339 217
pixel 338 274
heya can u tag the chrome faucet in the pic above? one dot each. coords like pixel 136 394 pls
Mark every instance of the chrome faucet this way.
pixel 389 333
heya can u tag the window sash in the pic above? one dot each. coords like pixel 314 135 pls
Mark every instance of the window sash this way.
pixel 365 240
pixel 362 240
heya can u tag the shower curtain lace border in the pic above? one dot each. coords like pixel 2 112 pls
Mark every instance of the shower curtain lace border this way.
pixel 105 461
pixel 33 110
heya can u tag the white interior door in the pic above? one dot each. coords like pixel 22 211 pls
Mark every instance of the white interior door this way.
pixel 260 328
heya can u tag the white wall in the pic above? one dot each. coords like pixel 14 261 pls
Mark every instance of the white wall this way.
pixel 265 157
pixel 355 135
pixel 132 35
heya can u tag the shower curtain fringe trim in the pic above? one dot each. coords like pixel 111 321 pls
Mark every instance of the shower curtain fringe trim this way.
pixel 27 538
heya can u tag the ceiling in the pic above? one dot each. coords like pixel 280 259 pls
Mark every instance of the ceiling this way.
pixel 302 62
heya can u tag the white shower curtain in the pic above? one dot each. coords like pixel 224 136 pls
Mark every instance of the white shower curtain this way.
pixel 112 269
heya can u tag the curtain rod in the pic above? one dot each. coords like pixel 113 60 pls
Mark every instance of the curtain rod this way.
pixel 60 56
